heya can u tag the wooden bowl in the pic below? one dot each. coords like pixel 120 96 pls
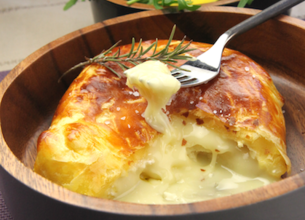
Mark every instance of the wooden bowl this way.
pixel 30 93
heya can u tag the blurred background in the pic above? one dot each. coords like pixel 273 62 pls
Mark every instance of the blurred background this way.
pixel 27 25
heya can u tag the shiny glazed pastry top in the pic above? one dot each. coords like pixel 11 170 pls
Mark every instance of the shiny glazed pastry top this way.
pixel 98 133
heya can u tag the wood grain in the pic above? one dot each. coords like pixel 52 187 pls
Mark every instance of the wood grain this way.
pixel 30 93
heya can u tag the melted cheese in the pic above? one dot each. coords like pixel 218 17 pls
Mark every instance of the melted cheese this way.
pixel 189 163
pixel 192 164
pixel 156 84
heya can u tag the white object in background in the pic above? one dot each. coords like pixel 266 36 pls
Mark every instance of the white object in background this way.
pixel 298 11
pixel 28 25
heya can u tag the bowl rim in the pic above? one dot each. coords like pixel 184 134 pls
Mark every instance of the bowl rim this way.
pixel 25 175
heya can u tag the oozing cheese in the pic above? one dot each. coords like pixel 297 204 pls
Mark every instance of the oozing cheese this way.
pixel 189 163
pixel 156 84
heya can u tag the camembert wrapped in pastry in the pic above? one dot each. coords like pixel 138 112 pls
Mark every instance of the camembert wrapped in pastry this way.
pixel 123 141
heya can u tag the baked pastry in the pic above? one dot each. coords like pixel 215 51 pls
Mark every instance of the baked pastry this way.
pixel 98 136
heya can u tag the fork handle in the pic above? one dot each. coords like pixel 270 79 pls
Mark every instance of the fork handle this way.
pixel 261 17
pixel 214 54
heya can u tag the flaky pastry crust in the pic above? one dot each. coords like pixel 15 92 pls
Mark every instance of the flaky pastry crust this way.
pixel 98 132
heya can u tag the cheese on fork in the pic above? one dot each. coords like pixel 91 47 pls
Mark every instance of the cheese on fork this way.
pixel 156 84
pixel 188 163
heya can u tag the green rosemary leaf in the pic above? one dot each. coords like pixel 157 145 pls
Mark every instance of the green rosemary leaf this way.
pixel 117 53
pixel 156 46
pixel 107 51
pixel 109 59
pixel 188 50
pixel 124 55
pixel 133 63
pixel 176 67
pixel 165 49
pixel 69 4
pixel 112 70
pixel 178 48
pixel 122 66
pixel 73 68
pixel 132 47
pixel 160 53
pixel 135 57
pixel 180 57
pixel 170 37
pixel 138 48
pixel 170 64
pixel 180 44
pixel 125 66
pixel 140 53
pixel 170 60
pixel 149 48
pixel 184 48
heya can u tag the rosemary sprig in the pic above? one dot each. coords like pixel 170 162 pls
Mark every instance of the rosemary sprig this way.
pixel 137 56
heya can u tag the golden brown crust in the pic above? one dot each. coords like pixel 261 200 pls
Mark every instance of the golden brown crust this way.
pixel 98 132
pixel 242 95
pixel 245 106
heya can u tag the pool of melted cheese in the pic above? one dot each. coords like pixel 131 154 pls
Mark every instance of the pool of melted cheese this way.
pixel 186 162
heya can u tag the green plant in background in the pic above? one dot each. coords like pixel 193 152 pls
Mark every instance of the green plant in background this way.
pixel 242 3
pixel 70 3
pixel 182 4
pixel 159 4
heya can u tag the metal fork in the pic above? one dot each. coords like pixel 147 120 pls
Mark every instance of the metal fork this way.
pixel 207 65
